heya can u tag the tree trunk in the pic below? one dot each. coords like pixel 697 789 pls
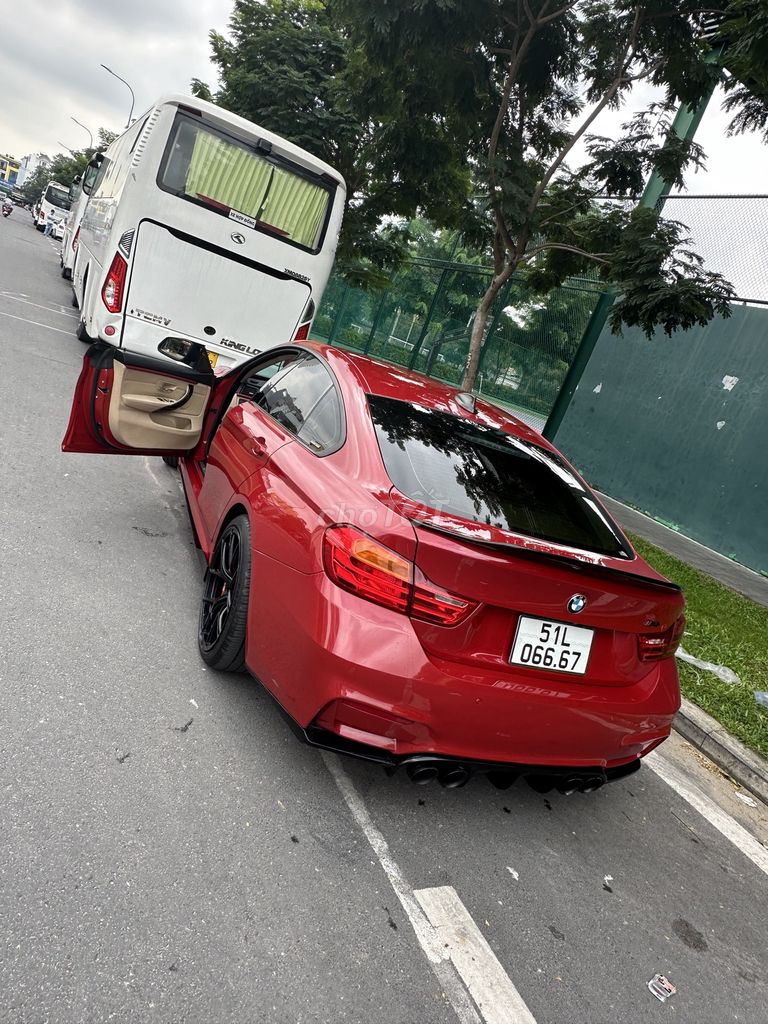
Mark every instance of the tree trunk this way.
pixel 480 323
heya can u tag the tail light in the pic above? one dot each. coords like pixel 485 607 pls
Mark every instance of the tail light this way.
pixel 114 286
pixel 655 646
pixel 76 240
pixel 359 564
pixel 303 332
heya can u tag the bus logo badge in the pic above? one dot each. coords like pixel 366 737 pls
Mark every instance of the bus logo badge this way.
pixel 237 237
pixel 577 603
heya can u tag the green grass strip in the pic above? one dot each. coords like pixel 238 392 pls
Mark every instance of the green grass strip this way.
pixel 728 629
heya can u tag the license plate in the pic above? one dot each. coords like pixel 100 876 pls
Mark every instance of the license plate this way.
pixel 213 358
pixel 556 646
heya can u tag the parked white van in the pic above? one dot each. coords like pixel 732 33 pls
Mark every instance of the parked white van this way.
pixel 203 227
pixel 79 191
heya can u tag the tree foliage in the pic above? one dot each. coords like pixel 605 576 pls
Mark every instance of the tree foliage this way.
pixel 63 167
pixel 291 66
pixel 516 86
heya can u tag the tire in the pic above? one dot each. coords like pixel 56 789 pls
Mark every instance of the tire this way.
pixel 171 460
pixel 82 334
pixel 73 300
pixel 224 604
pixel 66 273
pixel 39 228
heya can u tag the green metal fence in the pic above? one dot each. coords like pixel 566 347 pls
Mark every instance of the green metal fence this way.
pixel 423 321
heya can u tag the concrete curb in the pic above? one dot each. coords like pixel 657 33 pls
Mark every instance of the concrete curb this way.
pixel 703 732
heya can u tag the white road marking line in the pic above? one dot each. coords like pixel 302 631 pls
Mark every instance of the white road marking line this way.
pixel 425 933
pixel 28 302
pixel 447 946
pixel 150 470
pixel 708 809
pixel 37 324
pixel 489 985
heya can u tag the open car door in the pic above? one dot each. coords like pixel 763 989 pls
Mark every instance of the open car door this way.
pixel 129 404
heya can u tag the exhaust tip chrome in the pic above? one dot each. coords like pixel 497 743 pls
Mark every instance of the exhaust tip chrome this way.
pixel 421 774
pixel 592 783
pixel 569 785
pixel 454 777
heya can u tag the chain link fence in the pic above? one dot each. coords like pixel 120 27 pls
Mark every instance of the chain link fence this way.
pixel 423 321
pixel 731 233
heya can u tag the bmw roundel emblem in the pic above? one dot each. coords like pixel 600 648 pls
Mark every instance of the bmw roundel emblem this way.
pixel 577 603
pixel 238 238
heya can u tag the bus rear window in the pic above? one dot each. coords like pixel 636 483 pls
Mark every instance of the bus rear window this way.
pixel 57 197
pixel 483 474
pixel 253 189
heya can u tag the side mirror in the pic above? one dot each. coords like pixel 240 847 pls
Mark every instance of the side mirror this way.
pixel 192 353
pixel 89 177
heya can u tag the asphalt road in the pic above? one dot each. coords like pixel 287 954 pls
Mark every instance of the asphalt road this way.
pixel 170 853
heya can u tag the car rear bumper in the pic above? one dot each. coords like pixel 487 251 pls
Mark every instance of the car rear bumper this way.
pixel 356 679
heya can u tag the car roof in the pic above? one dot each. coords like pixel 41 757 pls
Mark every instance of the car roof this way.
pixel 391 381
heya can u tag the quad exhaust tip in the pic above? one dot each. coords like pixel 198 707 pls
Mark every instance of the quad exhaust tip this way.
pixel 567 786
pixel 454 775
pixel 421 774
pixel 450 776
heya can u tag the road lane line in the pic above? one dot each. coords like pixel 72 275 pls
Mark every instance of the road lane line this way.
pixel 70 334
pixel 451 940
pixel 489 985
pixel 48 309
pixel 708 809
pixel 434 950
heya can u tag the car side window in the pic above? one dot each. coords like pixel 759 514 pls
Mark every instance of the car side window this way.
pixel 304 401
pixel 252 386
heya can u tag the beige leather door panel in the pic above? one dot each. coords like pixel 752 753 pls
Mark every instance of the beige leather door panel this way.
pixel 152 410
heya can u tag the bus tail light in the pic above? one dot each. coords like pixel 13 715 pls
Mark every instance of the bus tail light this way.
pixel 76 240
pixel 306 322
pixel 114 286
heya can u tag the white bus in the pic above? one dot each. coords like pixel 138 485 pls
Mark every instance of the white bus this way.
pixel 55 197
pixel 79 191
pixel 203 227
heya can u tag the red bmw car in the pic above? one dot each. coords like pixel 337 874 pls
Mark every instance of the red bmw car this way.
pixel 415 576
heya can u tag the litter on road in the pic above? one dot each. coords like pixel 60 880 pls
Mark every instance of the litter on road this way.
pixel 747 799
pixel 661 987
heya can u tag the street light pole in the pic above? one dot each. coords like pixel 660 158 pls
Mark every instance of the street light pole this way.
pixel 90 136
pixel 130 90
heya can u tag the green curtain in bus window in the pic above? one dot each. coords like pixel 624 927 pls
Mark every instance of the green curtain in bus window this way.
pixel 227 174
pixel 295 206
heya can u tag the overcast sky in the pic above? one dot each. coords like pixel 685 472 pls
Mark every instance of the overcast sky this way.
pixel 49 71
pixel 50 55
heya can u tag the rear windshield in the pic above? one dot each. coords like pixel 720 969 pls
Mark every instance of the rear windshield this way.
pixel 488 476
pixel 252 188
pixel 57 197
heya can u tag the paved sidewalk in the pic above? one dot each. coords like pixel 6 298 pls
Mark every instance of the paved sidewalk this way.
pixel 723 569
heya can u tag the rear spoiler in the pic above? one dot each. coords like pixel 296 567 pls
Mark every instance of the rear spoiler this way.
pixel 565 561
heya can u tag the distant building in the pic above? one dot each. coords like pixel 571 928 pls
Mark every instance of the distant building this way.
pixel 29 164
pixel 9 170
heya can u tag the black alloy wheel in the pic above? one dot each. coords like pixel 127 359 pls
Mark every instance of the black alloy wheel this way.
pixel 224 605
